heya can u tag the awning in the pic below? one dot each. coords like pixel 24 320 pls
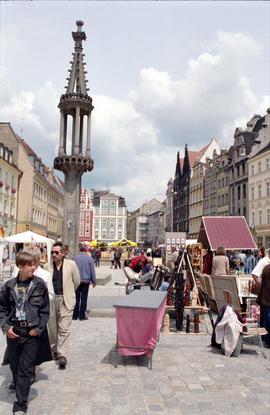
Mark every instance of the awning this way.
pixel 230 232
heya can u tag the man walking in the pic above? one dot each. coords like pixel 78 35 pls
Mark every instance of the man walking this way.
pixel 85 264
pixel 24 313
pixel 66 279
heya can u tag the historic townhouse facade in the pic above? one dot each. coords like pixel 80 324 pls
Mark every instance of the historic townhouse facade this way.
pixel 86 215
pixel 39 193
pixel 196 199
pixel 222 181
pixel 210 186
pixel 156 226
pixel 9 184
pixel 143 223
pixel 187 200
pixel 169 207
pixel 238 167
pixel 109 216
pixel 259 185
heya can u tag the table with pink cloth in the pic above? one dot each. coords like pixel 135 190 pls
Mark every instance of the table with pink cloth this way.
pixel 138 318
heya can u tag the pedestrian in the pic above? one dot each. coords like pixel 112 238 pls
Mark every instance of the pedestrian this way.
pixel 66 251
pixel 112 258
pixel 66 280
pixel 207 262
pixel 5 255
pixel 85 264
pixel 24 313
pixel 257 271
pixel 249 262
pixel 97 257
pixel 172 258
pixel 44 353
pixel 263 300
pixel 220 264
pixel 117 258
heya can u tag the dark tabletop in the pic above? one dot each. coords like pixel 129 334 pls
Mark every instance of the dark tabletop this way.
pixel 142 299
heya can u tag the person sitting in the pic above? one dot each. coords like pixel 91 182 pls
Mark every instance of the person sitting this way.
pixel 147 271
pixel 138 263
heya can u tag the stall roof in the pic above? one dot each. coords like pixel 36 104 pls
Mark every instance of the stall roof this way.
pixel 231 232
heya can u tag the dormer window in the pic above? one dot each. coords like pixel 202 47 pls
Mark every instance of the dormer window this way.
pixel 10 157
pixel 6 153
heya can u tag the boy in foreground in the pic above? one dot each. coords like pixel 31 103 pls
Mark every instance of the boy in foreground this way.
pixel 24 313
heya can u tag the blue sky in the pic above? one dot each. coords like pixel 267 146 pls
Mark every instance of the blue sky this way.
pixel 161 74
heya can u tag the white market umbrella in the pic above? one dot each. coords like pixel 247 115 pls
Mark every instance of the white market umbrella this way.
pixel 31 238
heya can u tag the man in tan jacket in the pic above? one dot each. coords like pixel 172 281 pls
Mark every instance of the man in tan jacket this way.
pixel 66 279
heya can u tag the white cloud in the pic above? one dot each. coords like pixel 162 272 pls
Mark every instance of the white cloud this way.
pixel 135 140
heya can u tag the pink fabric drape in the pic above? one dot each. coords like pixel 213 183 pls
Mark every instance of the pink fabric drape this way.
pixel 138 327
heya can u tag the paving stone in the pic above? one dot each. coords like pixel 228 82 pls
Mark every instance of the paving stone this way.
pixel 187 378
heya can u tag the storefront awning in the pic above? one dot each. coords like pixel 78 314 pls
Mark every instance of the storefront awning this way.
pixel 231 232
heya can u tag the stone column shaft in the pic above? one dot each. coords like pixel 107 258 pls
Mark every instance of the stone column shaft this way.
pixel 61 137
pixel 77 131
pixel 88 140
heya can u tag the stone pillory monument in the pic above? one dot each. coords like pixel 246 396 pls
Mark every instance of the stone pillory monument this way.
pixel 75 107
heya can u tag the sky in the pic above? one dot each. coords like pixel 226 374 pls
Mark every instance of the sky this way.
pixel 161 75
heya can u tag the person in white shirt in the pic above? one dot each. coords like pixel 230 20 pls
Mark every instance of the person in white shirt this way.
pixel 257 272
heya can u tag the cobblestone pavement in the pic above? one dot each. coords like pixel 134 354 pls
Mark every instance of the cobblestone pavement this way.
pixel 188 377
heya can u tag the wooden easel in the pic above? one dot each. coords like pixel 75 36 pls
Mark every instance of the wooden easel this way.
pixel 196 303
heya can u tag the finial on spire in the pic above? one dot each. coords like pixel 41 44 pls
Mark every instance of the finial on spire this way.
pixel 79 24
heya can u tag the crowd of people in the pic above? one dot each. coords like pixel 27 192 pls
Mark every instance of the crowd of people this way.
pixel 38 304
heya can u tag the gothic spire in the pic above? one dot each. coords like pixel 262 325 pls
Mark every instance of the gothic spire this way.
pixel 178 166
pixel 76 79
pixel 186 166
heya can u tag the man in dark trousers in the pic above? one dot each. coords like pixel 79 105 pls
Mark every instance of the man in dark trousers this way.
pixel 85 264
pixel 24 314
pixel 66 279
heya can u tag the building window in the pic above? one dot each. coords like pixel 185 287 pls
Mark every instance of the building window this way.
pixel 259 191
pixel 244 191
pixel 268 189
pixel 253 218
pixel 104 233
pixel 260 217
pixel 252 170
pixel 112 223
pixel 267 164
pixel 259 167
pixel 268 216
pixel 238 192
pixel 105 203
pixel 104 223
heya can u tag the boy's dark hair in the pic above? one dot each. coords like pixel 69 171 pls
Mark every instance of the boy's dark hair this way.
pixel 58 244
pixel 24 258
